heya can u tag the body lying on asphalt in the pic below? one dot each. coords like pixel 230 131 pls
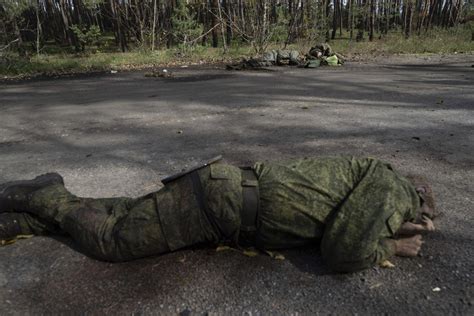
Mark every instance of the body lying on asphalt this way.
pixel 359 211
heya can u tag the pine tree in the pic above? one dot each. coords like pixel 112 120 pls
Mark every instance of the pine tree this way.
pixel 185 29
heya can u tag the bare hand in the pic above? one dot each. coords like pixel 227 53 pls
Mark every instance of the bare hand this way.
pixel 409 228
pixel 408 247
pixel 427 224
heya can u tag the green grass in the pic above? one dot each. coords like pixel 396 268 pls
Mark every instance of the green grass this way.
pixel 63 63
pixel 56 64
pixel 438 41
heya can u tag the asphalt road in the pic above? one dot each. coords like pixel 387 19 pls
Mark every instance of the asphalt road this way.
pixel 119 134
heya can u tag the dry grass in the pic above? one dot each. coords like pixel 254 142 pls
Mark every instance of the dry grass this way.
pixel 438 41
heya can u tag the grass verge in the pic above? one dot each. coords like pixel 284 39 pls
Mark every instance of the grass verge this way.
pixel 438 41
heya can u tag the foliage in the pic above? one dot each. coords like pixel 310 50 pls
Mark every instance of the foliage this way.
pixel 13 9
pixel 11 14
pixel 280 26
pixel 60 27
pixel 87 36
pixel 185 29
pixel 187 23
pixel 92 4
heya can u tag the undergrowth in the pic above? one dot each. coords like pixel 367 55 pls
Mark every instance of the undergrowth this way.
pixel 437 41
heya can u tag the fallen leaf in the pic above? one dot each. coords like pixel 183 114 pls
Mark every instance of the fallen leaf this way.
pixel 222 248
pixel 387 264
pixel 7 242
pixel 376 285
pixel 250 252
pixel 275 255
pixel 24 236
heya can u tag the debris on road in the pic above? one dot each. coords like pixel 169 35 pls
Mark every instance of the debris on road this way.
pixel 159 73
pixel 387 264
pixel 275 255
pixel 319 55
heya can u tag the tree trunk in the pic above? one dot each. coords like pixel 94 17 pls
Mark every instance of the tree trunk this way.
pixel 408 18
pixel 328 5
pixel 341 9
pixel 334 18
pixel 221 21
pixel 117 17
pixel 21 50
pixel 215 37
pixel 372 20
pixel 350 19
pixel 153 31
pixel 38 28
pixel 67 25
pixel 228 11
pixel 360 24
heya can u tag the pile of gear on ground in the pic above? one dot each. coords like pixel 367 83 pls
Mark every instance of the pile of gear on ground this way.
pixel 319 55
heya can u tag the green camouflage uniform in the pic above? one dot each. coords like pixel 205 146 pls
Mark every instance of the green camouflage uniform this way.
pixel 268 59
pixel 349 206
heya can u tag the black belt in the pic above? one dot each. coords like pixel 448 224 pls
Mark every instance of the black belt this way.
pixel 250 203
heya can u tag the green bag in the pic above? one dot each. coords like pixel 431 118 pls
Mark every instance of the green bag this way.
pixel 313 63
pixel 332 60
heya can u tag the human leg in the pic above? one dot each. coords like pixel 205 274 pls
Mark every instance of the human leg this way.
pixel 15 226
pixel 113 229
pixel 179 215
pixel 203 207
pixel 14 194
pixel 117 229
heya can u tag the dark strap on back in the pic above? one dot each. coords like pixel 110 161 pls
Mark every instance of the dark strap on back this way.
pixel 201 199
pixel 251 199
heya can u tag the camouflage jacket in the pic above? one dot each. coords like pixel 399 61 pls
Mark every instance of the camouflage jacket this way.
pixel 351 206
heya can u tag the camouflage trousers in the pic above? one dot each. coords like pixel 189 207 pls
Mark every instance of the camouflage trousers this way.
pixel 120 229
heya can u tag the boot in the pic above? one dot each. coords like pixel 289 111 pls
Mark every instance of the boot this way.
pixel 14 195
pixel 15 226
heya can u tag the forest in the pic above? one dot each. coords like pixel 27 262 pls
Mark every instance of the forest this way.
pixel 35 27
